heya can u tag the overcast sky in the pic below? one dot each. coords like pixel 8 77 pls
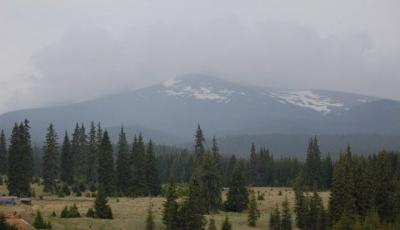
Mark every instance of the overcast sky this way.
pixel 57 52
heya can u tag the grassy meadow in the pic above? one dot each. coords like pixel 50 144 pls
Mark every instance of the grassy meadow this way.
pixel 130 214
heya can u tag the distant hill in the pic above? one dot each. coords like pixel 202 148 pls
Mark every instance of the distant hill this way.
pixel 169 112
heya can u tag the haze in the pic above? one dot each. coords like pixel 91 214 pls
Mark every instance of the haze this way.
pixel 59 52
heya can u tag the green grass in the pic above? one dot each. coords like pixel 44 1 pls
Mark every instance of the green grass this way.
pixel 131 213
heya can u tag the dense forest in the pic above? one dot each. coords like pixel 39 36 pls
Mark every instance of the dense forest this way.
pixel 365 190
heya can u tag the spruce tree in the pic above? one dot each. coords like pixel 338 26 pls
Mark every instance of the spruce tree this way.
pixel 102 209
pixel 238 195
pixel 232 164
pixel 79 149
pixel 327 166
pixel 342 199
pixel 253 212
pixel 192 211
pixel 152 177
pixel 106 166
pixel 300 208
pixel 286 219
pixel 138 184
pixel 275 219
pixel 313 171
pixel 226 225
pixel 123 164
pixel 199 148
pixel 210 182
pixel 92 153
pixel 50 161
pixel 170 211
pixel 20 161
pixel 150 225
pixel 67 163
pixel 3 154
pixel 253 165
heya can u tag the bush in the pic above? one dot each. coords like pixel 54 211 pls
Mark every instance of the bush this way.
pixel 4 225
pixel 260 196
pixel 71 212
pixel 39 222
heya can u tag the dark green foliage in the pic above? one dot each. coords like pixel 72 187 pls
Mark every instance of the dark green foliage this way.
pixel 90 213
pixel 3 154
pixel 123 164
pixel 286 218
pixel 50 161
pixel 327 171
pixel 275 219
pixel 253 212
pixel 230 168
pixel 199 143
pixel 226 225
pixel 106 166
pixel 102 209
pixel 238 195
pixel 20 161
pixel 138 183
pixel 211 225
pixel 170 211
pixel 70 212
pixel 152 177
pixel 39 222
pixel 191 211
pixel 67 162
pixel 150 225
pixel 313 168
pixel 253 163
pixel 79 149
pixel 300 208
pixel 92 157
pixel 210 183
pixel 342 190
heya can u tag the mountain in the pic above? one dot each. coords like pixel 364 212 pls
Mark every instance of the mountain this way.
pixel 169 111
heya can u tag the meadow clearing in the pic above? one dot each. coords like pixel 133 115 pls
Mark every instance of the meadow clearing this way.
pixel 130 214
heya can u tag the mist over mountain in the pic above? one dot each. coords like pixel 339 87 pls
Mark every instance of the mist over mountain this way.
pixel 168 113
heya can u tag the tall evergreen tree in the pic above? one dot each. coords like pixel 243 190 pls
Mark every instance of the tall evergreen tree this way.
pixel 275 219
pixel 210 182
pixel 20 161
pixel 138 184
pixel 67 163
pixel 150 225
pixel 254 213
pixel 313 171
pixel 123 164
pixel 253 165
pixel 92 153
pixel 106 165
pixel 170 211
pixel 327 170
pixel 192 210
pixel 300 208
pixel 286 219
pixel 199 148
pixel 231 166
pixel 152 177
pixel 341 199
pixel 79 151
pixel 238 195
pixel 50 161
pixel 3 154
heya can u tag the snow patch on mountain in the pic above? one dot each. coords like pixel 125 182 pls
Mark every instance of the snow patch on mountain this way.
pixel 307 99
pixel 202 92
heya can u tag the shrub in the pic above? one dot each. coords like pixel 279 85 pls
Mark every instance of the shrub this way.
pixel 90 213
pixel 71 212
pixel 39 222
